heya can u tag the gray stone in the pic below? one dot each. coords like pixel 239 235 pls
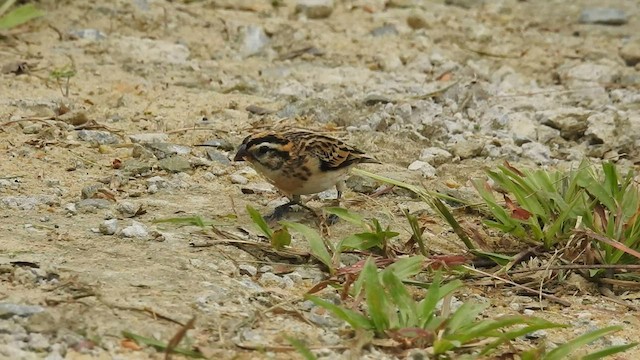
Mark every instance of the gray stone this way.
pixel 424 168
pixel 590 72
pixel 140 152
pixel 384 30
pixel 88 34
pixel 603 16
pixel 572 122
pixel 31 129
pixel 135 230
pixel 630 52
pixel 8 310
pixel 41 322
pixel 70 208
pixel 149 138
pixel 537 152
pixel 238 179
pixel 90 191
pixel 220 144
pixel 248 269
pixel 254 41
pixel 158 181
pixel 128 208
pixel 362 185
pixel 98 136
pixel 523 127
pixel 175 164
pixel 38 342
pixel 217 156
pixel 258 188
pixel 315 9
pixel 435 156
pixel 466 149
pixel 136 167
pixel 26 202
pixel 270 279
pixel 108 227
pixel 546 134
pixel 602 129
pixel 92 205
pixel 164 150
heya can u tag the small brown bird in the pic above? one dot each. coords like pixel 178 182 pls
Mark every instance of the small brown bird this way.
pixel 300 162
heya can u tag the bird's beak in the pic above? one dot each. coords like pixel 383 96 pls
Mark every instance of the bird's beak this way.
pixel 241 154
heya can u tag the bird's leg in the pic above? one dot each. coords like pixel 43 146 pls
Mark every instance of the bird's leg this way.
pixel 333 218
pixel 283 209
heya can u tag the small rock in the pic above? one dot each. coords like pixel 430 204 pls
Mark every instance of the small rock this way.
pixel 24 202
pixel 108 227
pixel 175 164
pixel 384 30
pixel 38 342
pixel 435 156
pixel 135 167
pixel 158 181
pixel 537 152
pixel 92 205
pixel 255 40
pixel 362 185
pixel 220 144
pixel 416 22
pixel 90 191
pixel 74 118
pixel 466 149
pixel 248 269
pixel 523 127
pixel 151 50
pixel 8 310
pixel 142 153
pixel 546 134
pixel 258 188
pixel 425 168
pixel 630 52
pixel 98 136
pixel 31 129
pixel 270 279
pixel 572 122
pixel 216 155
pixel 70 208
pixel 88 34
pixel 149 138
pixel 238 179
pixel 538 334
pixel 41 322
pixel 315 9
pixel 163 150
pixel 374 99
pixel 603 16
pixel 602 129
pixel 128 209
pixel 135 230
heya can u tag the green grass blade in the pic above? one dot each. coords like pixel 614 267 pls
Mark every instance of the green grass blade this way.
pixel 259 221
pixel 362 241
pixel 159 345
pixel 402 300
pixel 601 354
pixel 376 297
pixel 301 348
pixel 567 348
pixel 280 239
pixel 353 318
pixel 346 215
pixel 317 245
pixel 406 267
pixel 19 16
pixel 464 315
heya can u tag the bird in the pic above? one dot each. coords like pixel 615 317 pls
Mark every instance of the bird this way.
pixel 300 162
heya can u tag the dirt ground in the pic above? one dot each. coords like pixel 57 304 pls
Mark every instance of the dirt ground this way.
pixel 187 71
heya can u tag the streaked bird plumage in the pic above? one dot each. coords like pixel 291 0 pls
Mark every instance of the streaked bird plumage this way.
pixel 300 162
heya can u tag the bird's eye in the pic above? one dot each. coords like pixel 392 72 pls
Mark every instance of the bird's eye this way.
pixel 263 150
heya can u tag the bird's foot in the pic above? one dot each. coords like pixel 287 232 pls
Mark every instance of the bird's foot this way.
pixel 278 213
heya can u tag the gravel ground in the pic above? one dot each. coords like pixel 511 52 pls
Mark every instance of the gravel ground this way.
pixel 102 106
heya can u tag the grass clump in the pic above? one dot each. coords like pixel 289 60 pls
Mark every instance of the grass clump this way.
pixel 10 19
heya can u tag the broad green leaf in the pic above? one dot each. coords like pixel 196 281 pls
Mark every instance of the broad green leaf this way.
pixel 362 241
pixel 406 267
pixel 464 315
pixel 280 239
pixel 19 16
pixel 317 245
pixel 259 221
pixel 353 318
